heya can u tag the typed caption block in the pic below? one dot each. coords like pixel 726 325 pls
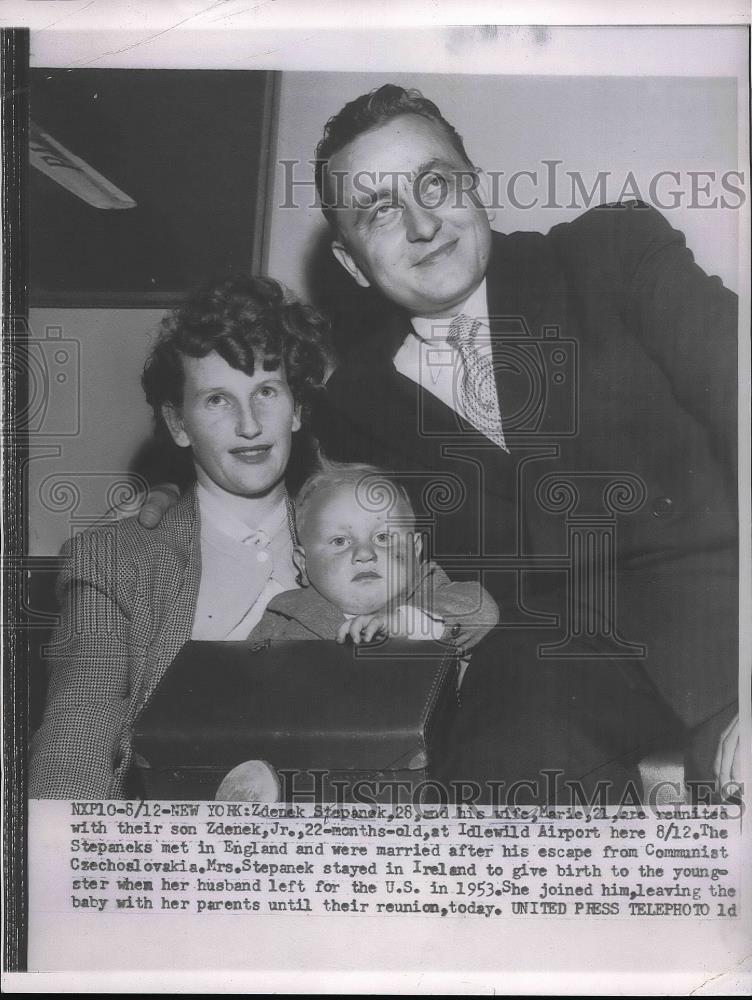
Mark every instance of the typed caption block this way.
pixel 204 858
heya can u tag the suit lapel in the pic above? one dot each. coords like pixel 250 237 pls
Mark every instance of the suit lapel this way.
pixel 513 315
pixel 437 427
pixel 181 528
pixel 529 312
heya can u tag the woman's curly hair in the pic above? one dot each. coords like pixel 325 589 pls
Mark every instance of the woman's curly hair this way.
pixel 246 320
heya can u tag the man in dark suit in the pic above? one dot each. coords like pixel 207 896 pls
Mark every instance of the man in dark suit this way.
pixel 564 407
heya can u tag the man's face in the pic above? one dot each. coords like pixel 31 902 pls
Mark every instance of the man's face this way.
pixel 238 426
pixel 423 240
pixel 358 559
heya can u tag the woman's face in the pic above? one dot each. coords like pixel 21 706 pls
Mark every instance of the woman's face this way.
pixel 238 426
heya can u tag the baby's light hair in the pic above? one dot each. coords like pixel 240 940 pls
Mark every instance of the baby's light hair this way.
pixel 369 480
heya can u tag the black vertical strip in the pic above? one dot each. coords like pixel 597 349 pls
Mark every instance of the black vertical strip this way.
pixel 267 173
pixel 14 70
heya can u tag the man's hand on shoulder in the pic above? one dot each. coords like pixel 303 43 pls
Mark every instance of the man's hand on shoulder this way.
pixel 158 501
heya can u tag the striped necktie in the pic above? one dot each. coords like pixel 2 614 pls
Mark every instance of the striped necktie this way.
pixel 477 387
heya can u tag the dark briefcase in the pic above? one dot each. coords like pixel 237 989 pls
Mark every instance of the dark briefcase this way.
pixel 332 720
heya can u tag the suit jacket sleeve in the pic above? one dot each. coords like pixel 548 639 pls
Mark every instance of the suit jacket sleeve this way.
pixel 687 323
pixel 73 754
pixel 685 319
pixel 467 609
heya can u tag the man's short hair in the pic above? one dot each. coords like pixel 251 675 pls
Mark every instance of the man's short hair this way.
pixel 368 112
pixel 246 320
pixel 377 489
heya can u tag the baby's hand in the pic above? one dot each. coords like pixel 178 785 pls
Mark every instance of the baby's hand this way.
pixel 365 628
pixel 404 621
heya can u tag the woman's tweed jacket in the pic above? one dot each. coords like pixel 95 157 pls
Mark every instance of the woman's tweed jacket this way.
pixel 127 595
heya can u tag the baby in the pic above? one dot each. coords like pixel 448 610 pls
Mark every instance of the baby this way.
pixel 359 562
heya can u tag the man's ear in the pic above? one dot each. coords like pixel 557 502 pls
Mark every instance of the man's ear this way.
pixel 484 193
pixel 298 558
pixel 296 423
pixel 346 259
pixel 174 423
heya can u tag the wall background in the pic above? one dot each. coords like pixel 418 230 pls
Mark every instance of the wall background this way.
pixel 512 123
pixel 101 405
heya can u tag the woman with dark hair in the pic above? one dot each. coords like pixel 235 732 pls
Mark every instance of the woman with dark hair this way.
pixel 230 377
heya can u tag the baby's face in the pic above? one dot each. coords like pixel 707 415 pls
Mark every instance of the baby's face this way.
pixel 359 559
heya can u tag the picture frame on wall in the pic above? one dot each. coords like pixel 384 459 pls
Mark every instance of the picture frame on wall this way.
pixel 144 182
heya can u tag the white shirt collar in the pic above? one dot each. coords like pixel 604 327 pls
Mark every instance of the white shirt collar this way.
pixel 476 305
pixel 219 513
